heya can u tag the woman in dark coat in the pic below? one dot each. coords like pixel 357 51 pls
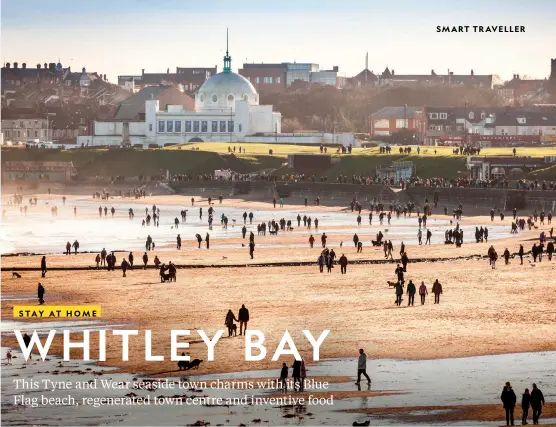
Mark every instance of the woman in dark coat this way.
pixel 508 399
pixel 43 266
pixel 229 322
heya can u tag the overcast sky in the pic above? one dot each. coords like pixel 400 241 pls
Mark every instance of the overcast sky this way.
pixel 118 37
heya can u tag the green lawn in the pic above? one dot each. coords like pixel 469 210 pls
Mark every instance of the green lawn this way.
pixel 282 150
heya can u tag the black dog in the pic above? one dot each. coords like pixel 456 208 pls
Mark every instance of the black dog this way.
pixel 165 278
pixel 186 366
pixel 364 423
pixel 234 330
pixel 15 275
pixel 194 364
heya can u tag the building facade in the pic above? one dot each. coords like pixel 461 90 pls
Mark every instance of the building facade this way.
pixel 487 126
pixel 21 131
pixel 389 121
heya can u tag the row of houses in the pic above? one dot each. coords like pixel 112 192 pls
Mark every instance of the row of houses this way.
pixel 467 125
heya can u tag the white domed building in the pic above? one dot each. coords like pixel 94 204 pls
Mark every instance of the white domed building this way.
pixel 226 110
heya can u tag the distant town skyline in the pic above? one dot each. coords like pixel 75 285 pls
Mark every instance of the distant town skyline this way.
pixel 125 36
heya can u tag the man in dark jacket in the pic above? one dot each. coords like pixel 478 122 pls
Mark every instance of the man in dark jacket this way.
pixel 243 318
pixel 537 402
pixel 508 399
pixel 436 290
pixel 40 293
pixel 343 261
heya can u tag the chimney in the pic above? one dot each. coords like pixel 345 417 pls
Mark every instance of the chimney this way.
pixel 451 73
pixel 15 64
pixel 143 71
pixel 24 65
pixel 518 76
pixel 335 68
pixel 393 72
pixel 45 66
pixel 105 79
pixel 83 69
pixel 39 66
pixel 69 69
pixel 167 71
pixel 472 72
pixel 433 73
pixel 8 65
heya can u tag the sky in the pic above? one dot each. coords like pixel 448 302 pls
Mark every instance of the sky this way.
pixel 121 37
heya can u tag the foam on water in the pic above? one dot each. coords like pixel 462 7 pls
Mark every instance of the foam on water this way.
pixel 41 233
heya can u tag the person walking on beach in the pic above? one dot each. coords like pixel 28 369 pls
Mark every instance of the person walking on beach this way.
pixel 75 246
pixel 321 261
pixel 436 290
pixel 311 241
pixel 125 265
pixel 525 403
pixel 130 259
pixel 103 256
pixel 145 260
pixel 207 240
pixel 40 293
pixel 284 377
pixel 251 248
pixel 303 373
pixel 43 266
pixel 423 292
pixel 323 239
pixel 399 292
pixel 243 318
pixel 343 261
pixel 420 236
pixel 296 374
pixel 362 367
pixel 68 248
pixel 97 260
pixel 521 252
pixel 508 399
pixel 411 290
pixel 229 322
pixel 537 402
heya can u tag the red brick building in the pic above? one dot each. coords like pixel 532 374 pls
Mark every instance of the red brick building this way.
pixel 267 78
pixel 406 121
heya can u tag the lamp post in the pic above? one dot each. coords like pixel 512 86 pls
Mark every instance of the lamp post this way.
pixel 465 124
pixel 47 124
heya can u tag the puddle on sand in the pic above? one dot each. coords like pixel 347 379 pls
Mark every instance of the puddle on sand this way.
pixel 463 381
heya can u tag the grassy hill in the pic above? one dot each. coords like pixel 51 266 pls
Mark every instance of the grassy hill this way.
pixel 211 156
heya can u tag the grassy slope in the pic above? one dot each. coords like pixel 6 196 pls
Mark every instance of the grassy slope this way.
pixel 207 159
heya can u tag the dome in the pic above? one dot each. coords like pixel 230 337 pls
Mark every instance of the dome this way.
pixel 221 91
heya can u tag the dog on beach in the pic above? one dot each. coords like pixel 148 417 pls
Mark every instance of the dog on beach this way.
pixel 234 330
pixel 16 275
pixel 184 365
pixel 390 283
pixel 165 278
pixel 364 423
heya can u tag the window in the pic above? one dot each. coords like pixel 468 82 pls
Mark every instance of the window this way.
pixel 169 126
pixel 523 131
pixel 447 127
pixel 188 125
pixel 521 120
pixel 535 131
pixel 401 123
pixel 471 115
pixel 215 98
pixel 161 125
pixel 503 131
pixel 204 126
pixel 214 126
pixel 196 126
pixel 277 79
pixel 202 98
pixel 240 127
pixel 222 126
pixel 36 134
pixel 230 125
pixel 21 125
pixel 443 116
pixel 483 115
pixel 433 115
pixel 150 127
pixel 177 126
pixel 268 80
pixel 230 98
pixel 245 98
pixel 18 133
pixel 257 79
pixel 459 128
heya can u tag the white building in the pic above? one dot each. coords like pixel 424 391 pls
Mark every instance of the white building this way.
pixel 226 110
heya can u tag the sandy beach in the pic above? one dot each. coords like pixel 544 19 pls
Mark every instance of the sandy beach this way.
pixel 481 312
